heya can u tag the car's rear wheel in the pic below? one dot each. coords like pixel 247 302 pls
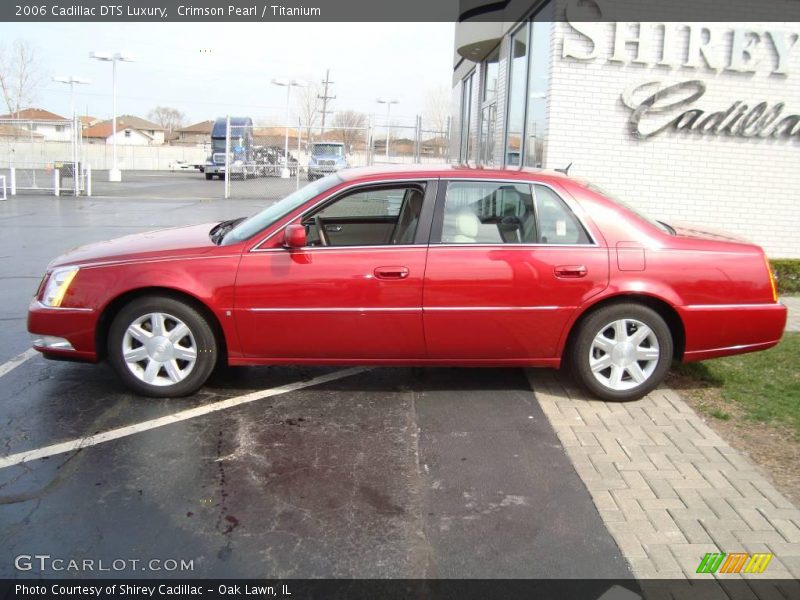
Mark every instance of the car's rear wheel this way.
pixel 622 351
pixel 162 347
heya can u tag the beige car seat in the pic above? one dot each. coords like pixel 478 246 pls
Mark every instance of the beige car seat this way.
pixel 467 227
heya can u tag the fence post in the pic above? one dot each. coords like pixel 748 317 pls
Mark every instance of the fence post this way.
pixel 447 138
pixel 13 186
pixel 368 142
pixel 88 174
pixel 3 177
pixel 227 193
pixel 297 170
pixel 76 176
pixel 418 157
pixel 56 182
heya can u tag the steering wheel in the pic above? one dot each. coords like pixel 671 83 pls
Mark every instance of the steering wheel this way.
pixel 323 234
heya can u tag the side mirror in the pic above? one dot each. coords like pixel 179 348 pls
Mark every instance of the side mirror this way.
pixel 294 236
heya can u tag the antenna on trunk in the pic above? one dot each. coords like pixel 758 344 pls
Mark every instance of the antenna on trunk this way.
pixel 565 170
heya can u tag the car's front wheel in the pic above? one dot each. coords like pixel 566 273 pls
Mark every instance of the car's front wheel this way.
pixel 161 347
pixel 622 351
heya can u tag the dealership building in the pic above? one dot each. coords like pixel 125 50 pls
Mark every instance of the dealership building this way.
pixel 689 122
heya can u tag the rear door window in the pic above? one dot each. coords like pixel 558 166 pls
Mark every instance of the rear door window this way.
pixel 484 212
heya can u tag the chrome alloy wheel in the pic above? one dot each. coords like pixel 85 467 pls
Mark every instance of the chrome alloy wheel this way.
pixel 623 354
pixel 159 349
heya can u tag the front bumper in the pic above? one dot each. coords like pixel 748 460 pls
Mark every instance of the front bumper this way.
pixel 324 169
pixel 715 330
pixel 67 333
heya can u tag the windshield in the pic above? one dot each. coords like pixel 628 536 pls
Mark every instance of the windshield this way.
pixel 658 224
pixel 335 149
pixel 252 225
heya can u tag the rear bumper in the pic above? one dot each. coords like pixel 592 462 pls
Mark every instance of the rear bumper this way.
pixel 715 330
pixel 75 325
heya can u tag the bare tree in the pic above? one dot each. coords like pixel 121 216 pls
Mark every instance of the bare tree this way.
pixel 309 107
pixel 349 126
pixel 436 116
pixel 19 75
pixel 169 118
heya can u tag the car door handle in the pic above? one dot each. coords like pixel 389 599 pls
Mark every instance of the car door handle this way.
pixel 391 272
pixel 570 271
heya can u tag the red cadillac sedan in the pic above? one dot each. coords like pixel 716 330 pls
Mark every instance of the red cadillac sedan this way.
pixel 420 265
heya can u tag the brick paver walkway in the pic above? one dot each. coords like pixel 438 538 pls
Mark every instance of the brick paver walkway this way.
pixel 793 304
pixel 667 486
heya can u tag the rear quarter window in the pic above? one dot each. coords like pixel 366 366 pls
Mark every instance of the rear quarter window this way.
pixel 557 223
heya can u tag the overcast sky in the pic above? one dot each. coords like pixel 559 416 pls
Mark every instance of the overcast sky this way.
pixel 208 70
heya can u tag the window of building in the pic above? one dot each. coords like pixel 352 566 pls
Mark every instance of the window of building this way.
pixel 557 223
pixel 59 128
pixel 488 213
pixel 127 133
pixel 489 108
pixel 466 117
pixel 517 82
pixel 372 217
pixel 538 87
pixel 491 70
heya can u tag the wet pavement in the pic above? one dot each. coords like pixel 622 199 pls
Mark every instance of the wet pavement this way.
pixel 385 473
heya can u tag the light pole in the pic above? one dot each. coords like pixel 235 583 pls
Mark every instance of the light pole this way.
pixel 71 81
pixel 289 83
pixel 114 173
pixel 388 102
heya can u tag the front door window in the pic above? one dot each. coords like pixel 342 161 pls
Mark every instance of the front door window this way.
pixel 380 216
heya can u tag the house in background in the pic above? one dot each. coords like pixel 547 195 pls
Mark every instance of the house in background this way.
pixel 131 131
pixel 198 135
pixel 10 133
pixel 88 121
pixel 49 126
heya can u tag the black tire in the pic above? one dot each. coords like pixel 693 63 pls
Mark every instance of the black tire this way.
pixel 581 351
pixel 204 341
pixel 209 176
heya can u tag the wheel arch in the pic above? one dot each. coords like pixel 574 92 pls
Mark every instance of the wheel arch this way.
pixel 111 310
pixel 665 310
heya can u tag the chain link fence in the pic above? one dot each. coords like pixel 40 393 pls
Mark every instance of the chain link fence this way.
pixel 254 157
pixel 42 156
pixel 256 161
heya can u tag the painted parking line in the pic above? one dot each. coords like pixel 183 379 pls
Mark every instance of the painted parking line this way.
pixel 13 363
pixel 114 434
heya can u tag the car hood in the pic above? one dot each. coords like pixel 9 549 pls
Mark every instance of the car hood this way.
pixel 327 157
pixel 702 232
pixel 163 243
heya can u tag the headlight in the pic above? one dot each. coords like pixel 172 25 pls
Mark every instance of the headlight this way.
pixel 57 285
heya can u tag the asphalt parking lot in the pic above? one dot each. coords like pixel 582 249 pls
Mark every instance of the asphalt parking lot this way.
pixel 318 473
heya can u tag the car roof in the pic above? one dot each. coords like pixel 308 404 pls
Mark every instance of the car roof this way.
pixel 450 171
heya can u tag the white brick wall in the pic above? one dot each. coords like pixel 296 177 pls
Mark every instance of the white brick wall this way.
pixel 746 186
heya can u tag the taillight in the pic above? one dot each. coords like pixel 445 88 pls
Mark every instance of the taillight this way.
pixel 772 283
